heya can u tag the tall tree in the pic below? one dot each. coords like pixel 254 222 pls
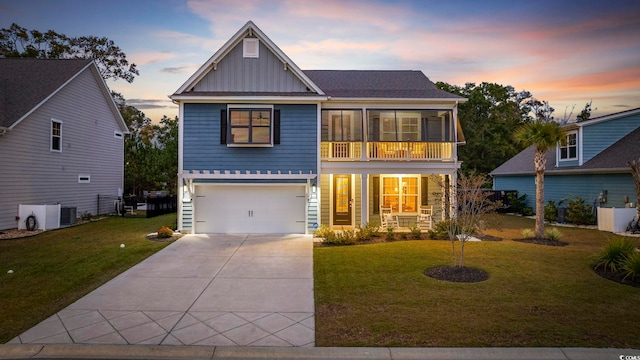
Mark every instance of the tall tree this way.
pixel 544 134
pixel 488 119
pixel 111 61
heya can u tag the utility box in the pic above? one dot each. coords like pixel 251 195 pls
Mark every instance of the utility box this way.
pixel 68 215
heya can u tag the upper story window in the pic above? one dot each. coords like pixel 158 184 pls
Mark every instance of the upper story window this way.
pixel 56 135
pixel 569 146
pixel 341 125
pixel 250 127
pixel 410 125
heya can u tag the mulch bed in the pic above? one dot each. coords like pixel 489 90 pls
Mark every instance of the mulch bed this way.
pixel 617 277
pixel 457 274
pixel 173 237
pixel 546 242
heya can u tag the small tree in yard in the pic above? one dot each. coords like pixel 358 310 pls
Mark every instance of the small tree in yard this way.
pixel 475 212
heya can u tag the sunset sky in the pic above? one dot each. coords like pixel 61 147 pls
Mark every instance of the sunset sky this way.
pixel 565 52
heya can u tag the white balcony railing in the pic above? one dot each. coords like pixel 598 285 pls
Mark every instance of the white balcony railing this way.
pixel 401 151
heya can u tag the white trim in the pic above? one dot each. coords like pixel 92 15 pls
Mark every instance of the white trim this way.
pixel 607 117
pixel 248 99
pixel 247 175
pixel 559 148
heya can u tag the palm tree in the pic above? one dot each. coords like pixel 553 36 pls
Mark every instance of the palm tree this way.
pixel 544 135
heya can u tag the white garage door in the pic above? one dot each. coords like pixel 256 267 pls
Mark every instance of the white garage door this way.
pixel 250 209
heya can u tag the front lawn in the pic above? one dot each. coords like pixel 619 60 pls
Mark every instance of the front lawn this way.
pixel 377 295
pixel 54 269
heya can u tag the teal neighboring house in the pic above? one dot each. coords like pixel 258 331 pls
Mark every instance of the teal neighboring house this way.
pixel 591 163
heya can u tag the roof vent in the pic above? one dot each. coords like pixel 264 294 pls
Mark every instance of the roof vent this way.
pixel 250 47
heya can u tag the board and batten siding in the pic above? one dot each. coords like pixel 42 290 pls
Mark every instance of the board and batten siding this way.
pixel 32 174
pixel 235 73
pixel 600 136
pixel 558 187
pixel 297 149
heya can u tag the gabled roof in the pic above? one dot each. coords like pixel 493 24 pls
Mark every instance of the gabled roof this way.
pixel 406 84
pixel 613 158
pixel 248 29
pixel 608 117
pixel 25 84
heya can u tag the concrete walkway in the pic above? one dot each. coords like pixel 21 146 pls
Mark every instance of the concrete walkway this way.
pixel 74 351
pixel 210 290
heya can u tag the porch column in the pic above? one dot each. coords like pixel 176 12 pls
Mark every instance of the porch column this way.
pixel 364 199
pixel 453 210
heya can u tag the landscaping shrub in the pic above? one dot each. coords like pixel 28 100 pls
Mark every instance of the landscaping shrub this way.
pixel 579 212
pixel 518 204
pixel 415 231
pixel 441 230
pixel 631 267
pixel 344 237
pixel 554 234
pixel 165 232
pixel 324 231
pixel 369 231
pixel 527 233
pixel 390 235
pixel 614 255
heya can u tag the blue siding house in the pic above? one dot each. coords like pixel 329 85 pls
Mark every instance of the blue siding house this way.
pixel 265 147
pixel 591 163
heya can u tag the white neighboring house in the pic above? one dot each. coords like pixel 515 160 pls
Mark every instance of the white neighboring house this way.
pixel 61 136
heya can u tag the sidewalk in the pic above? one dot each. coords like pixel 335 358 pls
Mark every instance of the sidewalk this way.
pixel 210 290
pixel 205 352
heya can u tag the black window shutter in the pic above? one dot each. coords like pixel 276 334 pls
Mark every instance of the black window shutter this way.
pixel 376 194
pixel 223 126
pixel 424 195
pixel 276 127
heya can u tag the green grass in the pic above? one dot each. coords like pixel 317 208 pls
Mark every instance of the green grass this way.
pixel 377 295
pixel 54 269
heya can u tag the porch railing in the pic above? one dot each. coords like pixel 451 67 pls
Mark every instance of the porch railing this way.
pixel 406 151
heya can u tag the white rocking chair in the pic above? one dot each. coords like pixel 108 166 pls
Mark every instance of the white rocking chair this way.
pixel 387 218
pixel 425 218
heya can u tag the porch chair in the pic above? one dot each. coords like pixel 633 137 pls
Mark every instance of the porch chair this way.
pixel 387 218
pixel 425 217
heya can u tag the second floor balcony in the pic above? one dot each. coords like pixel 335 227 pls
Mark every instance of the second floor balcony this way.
pixel 386 150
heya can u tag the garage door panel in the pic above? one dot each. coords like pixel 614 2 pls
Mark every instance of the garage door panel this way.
pixel 250 209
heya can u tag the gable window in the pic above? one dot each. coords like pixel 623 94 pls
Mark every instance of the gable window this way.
pixel 56 135
pixel 569 146
pixel 250 127
pixel 250 48
pixel 341 125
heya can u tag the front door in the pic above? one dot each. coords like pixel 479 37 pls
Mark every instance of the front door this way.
pixel 342 200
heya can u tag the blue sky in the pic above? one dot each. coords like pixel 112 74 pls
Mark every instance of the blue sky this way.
pixel 565 52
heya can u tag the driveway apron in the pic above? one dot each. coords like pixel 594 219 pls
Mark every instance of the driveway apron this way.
pixel 220 290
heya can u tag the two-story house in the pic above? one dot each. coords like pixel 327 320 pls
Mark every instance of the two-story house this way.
pixel 592 162
pixel 61 138
pixel 265 147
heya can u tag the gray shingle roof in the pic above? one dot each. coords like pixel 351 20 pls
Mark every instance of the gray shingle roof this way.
pixel 377 84
pixel 615 156
pixel 24 83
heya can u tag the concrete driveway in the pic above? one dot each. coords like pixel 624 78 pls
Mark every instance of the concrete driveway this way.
pixel 219 290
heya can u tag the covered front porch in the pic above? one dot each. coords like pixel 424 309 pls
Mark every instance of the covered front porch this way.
pixel 348 200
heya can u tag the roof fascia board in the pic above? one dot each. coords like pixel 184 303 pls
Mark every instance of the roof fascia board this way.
pixel 49 96
pixel 608 117
pixel 231 43
pixel 110 102
pixel 451 101
pixel 246 99
pixel 570 172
